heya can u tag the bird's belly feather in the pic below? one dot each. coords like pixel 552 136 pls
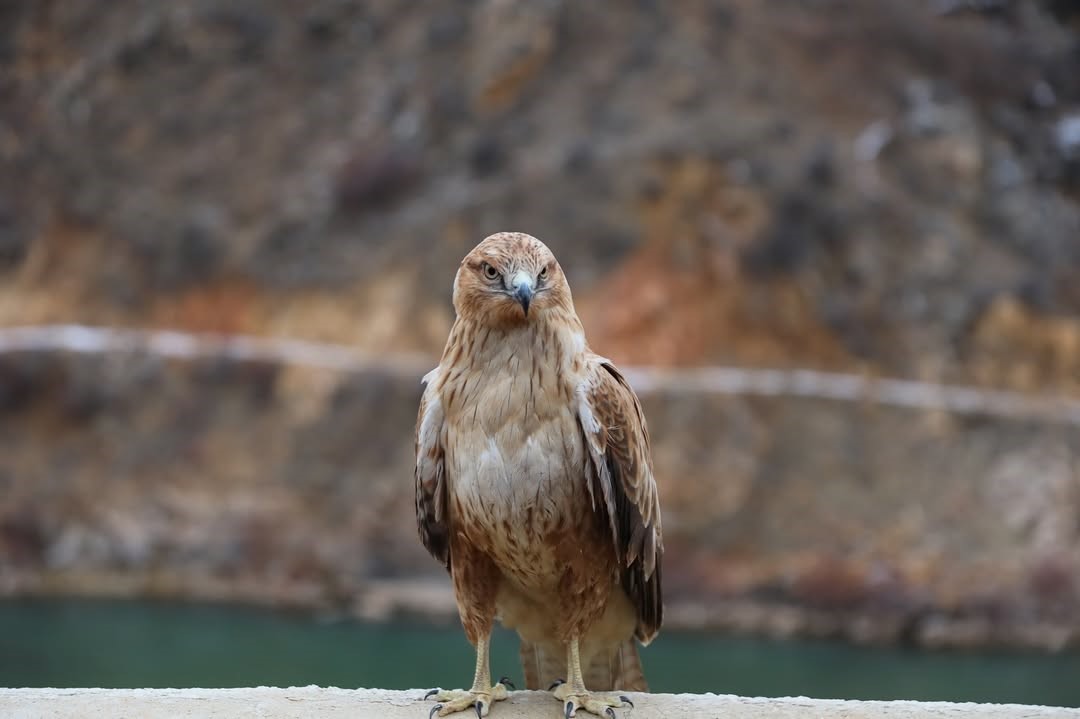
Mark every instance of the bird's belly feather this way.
pixel 522 500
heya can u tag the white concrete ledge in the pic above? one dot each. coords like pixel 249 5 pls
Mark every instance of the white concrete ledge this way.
pixel 299 702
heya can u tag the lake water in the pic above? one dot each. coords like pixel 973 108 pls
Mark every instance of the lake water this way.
pixel 70 643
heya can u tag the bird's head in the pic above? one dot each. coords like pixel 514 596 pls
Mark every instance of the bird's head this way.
pixel 510 279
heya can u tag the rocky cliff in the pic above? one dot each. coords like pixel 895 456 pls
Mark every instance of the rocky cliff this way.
pixel 861 186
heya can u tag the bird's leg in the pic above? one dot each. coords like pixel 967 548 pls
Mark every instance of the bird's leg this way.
pixel 482 694
pixel 573 694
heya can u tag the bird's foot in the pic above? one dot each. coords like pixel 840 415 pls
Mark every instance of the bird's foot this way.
pixel 574 698
pixel 457 700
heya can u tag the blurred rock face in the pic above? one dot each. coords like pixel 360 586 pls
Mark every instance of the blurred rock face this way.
pixel 288 485
pixel 860 186
pixel 851 184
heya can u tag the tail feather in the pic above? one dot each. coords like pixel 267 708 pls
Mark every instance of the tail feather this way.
pixel 541 668
pixel 618 669
pixel 627 670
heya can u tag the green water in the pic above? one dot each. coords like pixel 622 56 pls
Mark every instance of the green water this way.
pixel 69 643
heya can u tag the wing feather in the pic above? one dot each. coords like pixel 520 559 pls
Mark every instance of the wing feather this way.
pixel 431 514
pixel 623 488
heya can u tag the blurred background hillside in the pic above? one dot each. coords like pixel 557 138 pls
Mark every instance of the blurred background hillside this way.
pixel 868 187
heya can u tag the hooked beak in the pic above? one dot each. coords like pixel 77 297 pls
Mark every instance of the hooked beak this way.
pixel 523 290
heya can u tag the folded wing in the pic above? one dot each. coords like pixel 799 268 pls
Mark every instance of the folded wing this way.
pixel 622 487
pixel 431 516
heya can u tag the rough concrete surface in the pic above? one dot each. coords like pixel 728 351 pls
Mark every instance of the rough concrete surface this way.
pixel 327 703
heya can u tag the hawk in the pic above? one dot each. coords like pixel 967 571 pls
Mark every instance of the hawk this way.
pixel 535 488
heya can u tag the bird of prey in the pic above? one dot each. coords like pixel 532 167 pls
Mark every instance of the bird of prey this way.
pixel 535 488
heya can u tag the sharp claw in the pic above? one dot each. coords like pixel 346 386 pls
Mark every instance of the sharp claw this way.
pixel 434 709
pixel 569 710
pixel 556 683
pixel 479 707
pixel 626 700
pixel 610 712
pixel 505 681
pixel 431 693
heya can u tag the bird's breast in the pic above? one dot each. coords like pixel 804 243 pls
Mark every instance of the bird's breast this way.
pixel 516 471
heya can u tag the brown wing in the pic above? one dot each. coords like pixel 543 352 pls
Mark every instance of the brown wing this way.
pixel 431 517
pixel 623 488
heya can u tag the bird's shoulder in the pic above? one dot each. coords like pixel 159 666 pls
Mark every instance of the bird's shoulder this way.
pixel 603 384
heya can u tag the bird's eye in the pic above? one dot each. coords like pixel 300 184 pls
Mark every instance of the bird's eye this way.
pixel 490 272
pixel 543 273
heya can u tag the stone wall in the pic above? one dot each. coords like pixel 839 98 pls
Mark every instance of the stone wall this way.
pixel 269 703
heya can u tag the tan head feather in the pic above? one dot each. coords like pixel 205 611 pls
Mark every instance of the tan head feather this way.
pixel 489 283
